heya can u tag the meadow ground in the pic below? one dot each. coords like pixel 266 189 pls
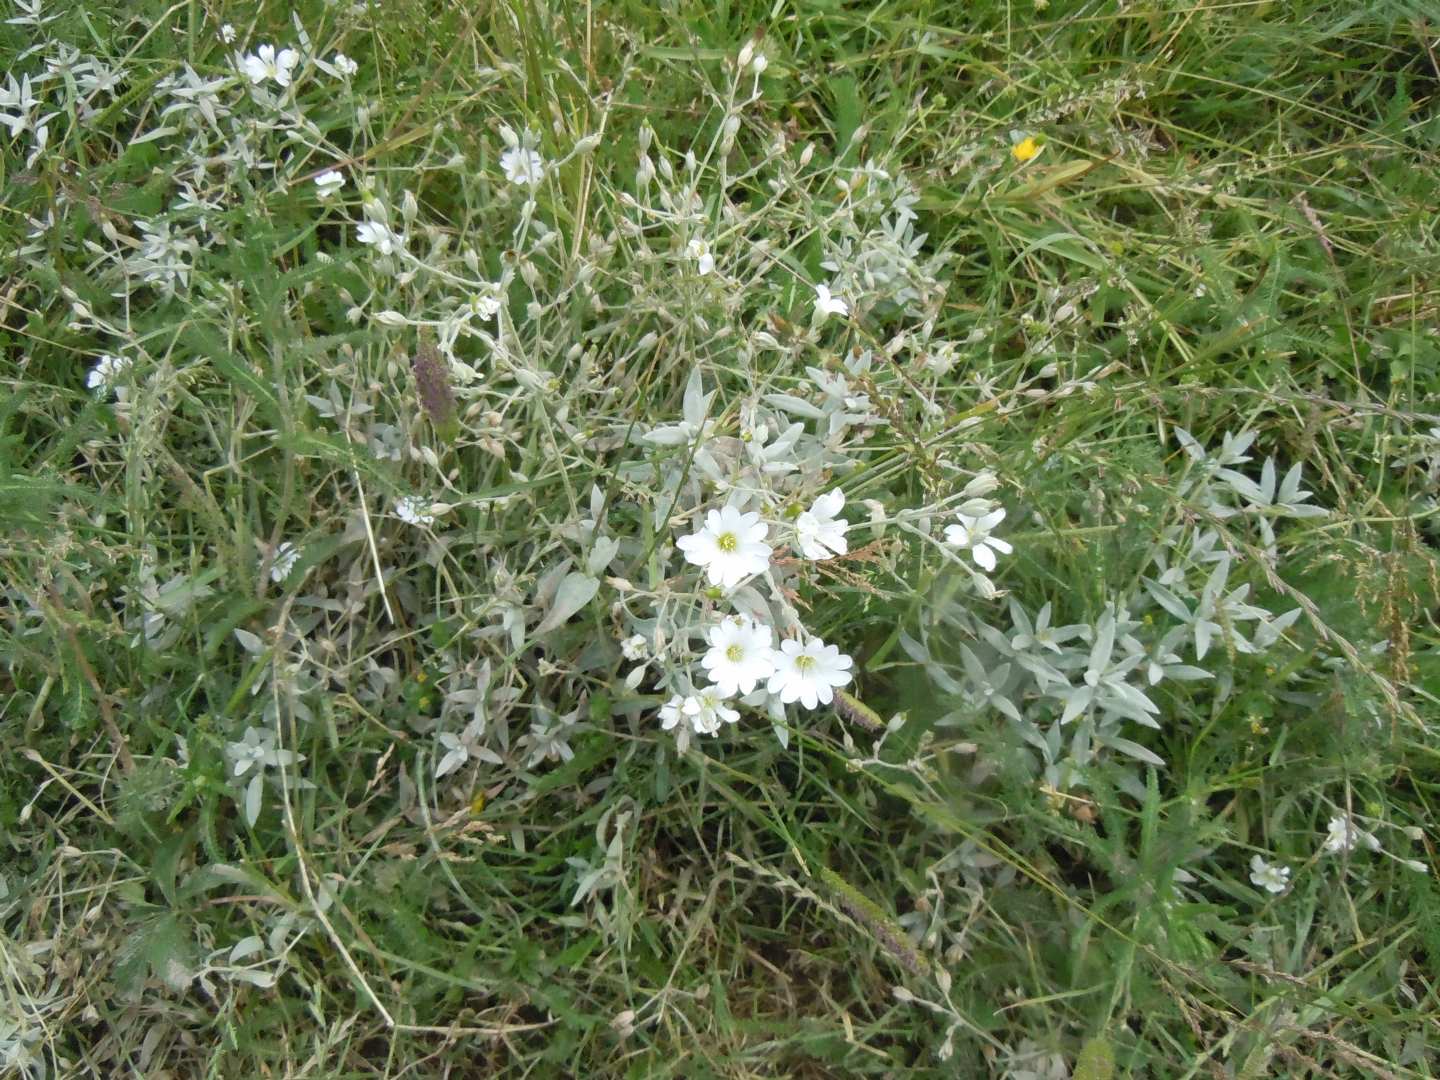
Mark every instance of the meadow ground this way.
pixel 737 539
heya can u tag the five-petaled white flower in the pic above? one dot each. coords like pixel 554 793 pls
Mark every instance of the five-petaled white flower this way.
pixel 258 748
pixel 522 166
pixel 808 673
pixel 973 534
pixel 698 250
pixel 1345 835
pixel 344 66
pixel 265 63
pixel 819 534
pixel 1272 878
pixel 286 556
pixel 740 655
pixel 107 373
pixel 730 547
pixel 380 236
pixel 227 34
pixel 329 182
pixel 706 711
pixel 635 647
pixel 414 510
pixel 827 304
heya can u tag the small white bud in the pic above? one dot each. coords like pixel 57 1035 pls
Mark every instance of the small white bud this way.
pixel 409 208
pixel 759 64
pixel 587 144
pixel 390 318
pixel 984 586
pixel 747 53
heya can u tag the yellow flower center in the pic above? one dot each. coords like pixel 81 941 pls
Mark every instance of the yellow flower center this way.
pixel 727 542
pixel 734 653
pixel 804 662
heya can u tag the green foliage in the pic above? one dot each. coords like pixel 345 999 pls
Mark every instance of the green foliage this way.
pixel 1230 227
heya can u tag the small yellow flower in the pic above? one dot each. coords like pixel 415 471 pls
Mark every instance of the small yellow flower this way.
pixel 1027 149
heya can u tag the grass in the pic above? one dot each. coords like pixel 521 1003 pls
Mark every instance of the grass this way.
pixel 1231 225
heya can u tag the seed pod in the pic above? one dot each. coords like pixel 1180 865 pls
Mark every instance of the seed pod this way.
pixel 432 380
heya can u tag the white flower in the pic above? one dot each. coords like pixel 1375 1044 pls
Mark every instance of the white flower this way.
pixel 258 748
pixel 522 166
pixel 1345 835
pixel 328 183
pixel 973 533
pixel 740 655
pixel 759 64
pixel 344 65
pixel 730 547
pixel 107 372
pixel 380 236
pixel 698 250
pixel 827 305
pixel 808 673
pixel 635 647
pixel 707 710
pixel 264 63
pixel 673 710
pixel 286 556
pixel 1273 879
pixel 227 34
pixel 485 305
pixel 818 532
pixel 414 510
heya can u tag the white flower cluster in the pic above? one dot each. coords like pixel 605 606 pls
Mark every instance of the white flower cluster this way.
pixel 743 663
pixel 742 660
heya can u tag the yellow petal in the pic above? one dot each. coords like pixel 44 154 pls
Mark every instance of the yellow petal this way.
pixel 1026 149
